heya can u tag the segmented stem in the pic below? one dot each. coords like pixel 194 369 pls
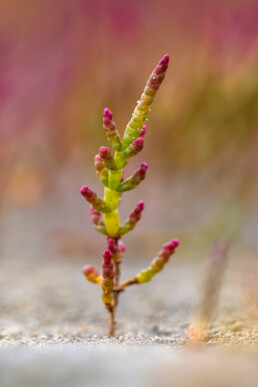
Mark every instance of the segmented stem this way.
pixel 109 164
pixel 134 127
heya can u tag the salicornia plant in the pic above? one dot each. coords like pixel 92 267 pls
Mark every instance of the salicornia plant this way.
pixel 109 166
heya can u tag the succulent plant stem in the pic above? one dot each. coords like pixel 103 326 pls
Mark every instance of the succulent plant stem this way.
pixel 109 164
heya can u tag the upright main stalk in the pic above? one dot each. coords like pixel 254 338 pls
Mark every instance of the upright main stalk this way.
pixel 109 164
pixel 112 223
pixel 112 308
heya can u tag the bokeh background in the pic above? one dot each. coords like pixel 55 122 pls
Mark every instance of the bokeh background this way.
pixel 62 62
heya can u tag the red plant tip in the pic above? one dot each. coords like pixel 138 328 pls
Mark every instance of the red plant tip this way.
pixel 108 114
pixel 138 143
pixel 175 242
pixel 140 206
pixel 164 60
pixel 104 152
pixel 170 246
pixel 88 269
pixel 86 191
pixel 142 170
pixel 143 131
pixel 111 245
pixel 107 255
pixel 121 247
pixel 144 166
pixel 162 67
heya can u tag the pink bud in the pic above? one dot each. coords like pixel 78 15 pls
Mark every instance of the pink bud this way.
pixel 135 214
pixel 121 247
pixel 138 143
pixel 171 246
pixel 175 242
pixel 143 131
pixel 144 166
pixel 138 210
pixel 111 245
pixel 107 255
pixel 162 66
pixel 87 192
pixel 104 152
pixel 164 60
pixel 140 205
pixel 143 169
pixel 108 114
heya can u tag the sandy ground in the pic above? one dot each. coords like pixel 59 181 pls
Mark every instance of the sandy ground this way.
pixel 51 308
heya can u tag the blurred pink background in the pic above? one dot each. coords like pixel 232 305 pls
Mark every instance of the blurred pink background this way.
pixel 63 62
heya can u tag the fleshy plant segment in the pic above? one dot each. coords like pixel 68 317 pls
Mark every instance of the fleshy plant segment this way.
pixel 109 164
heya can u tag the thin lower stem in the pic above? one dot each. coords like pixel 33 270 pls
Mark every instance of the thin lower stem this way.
pixel 112 309
pixel 111 322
